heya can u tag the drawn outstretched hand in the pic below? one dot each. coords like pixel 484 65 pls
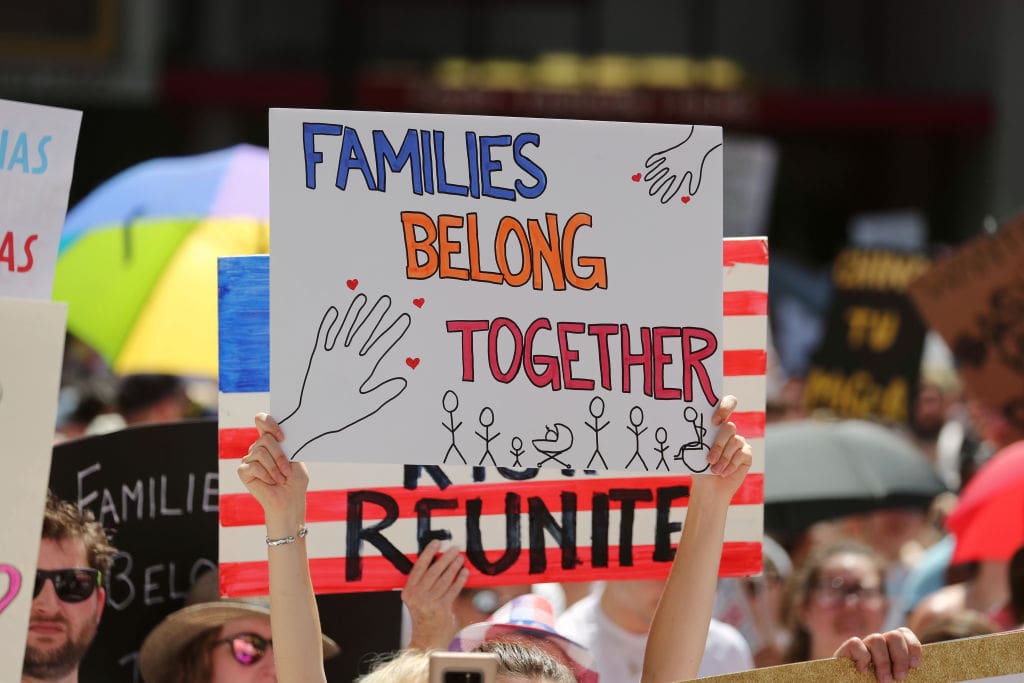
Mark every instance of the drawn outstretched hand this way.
pixel 342 369
pixel 678 170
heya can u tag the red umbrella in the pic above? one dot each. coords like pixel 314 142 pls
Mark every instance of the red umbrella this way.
pixel 988 522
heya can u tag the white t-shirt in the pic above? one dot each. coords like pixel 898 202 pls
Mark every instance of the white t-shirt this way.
pixel 620 654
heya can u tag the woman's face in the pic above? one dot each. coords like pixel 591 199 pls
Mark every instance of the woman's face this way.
pixel 237 657
pixel 848 600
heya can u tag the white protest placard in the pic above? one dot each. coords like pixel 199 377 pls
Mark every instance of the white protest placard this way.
pixel 31 351
pixel 498 291
pixel 37 158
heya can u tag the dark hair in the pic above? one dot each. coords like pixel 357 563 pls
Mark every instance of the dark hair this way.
pixel 522 659
pixel 194 663
pixel 62 521
pixel 801 584
pixel 138 392
pixel 1017 585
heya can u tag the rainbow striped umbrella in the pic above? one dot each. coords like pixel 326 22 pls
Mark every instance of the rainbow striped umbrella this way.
pixel 138 257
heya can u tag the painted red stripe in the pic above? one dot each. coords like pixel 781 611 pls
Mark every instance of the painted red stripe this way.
pixel 752 251
pixel 744 362
pixel 234 443
pixel 239 579
pixel 749 424
pixel 745 302
pixel 331 505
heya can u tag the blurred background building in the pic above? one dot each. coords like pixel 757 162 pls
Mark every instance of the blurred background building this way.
pixel 865 105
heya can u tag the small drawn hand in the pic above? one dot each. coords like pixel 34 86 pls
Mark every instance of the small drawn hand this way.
pixel 429 593
pixel 342 368
pixel 678 170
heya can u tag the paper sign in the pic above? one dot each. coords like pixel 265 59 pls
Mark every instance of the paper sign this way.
pixel 455 290
pixel 37 158
pixel 31 351
pixel 974 298
pixel 984 659
pixel 518 524
pixel 867 364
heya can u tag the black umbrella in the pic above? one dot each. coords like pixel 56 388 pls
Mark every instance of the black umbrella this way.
pixel 822 470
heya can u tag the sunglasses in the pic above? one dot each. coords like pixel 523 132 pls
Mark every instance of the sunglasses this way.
pixel 247 648
pixel 70 585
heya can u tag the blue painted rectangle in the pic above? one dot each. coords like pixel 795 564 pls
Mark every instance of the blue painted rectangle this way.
pixel 243 318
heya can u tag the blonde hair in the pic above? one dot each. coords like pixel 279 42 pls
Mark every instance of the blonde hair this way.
pixel 409 666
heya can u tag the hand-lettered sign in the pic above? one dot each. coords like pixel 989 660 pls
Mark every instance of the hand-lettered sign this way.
pixel 974 298
pixel 518 524
pixel 31 350
pixel 37 157
pixel 868 362
pixel 450 290
pixel 154 488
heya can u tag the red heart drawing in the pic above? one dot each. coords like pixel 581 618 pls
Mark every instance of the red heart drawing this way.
pixel 686 199
pixel 636 177
pixel 412 362
pixel 13 586
pixel 418 302
pixel 352 284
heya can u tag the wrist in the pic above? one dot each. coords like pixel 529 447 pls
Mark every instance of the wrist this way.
pixel 704 496
pixel 285 523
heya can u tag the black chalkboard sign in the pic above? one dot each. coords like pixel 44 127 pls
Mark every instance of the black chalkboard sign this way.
pixel 868 362
pixel 155 488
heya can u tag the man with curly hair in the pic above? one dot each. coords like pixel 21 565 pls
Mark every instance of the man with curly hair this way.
pixel 68 595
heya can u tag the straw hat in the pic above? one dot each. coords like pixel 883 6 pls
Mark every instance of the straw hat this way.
pixel 159 653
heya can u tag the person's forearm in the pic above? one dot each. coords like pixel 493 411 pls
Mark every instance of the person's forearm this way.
pixel 295 621
pixel 679 631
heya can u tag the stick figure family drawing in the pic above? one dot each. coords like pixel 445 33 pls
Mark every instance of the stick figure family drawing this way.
pixel 558 438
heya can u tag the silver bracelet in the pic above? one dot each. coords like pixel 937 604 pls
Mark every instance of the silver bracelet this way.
pixel 273 542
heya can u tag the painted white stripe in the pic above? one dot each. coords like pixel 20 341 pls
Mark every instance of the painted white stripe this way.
pixel 746 277
pixel 741 332
pixel 236 410
pixel 327 539
pixel 340 475
pixel 749 390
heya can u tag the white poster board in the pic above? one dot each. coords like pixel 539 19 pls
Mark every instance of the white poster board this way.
pixel 37 158
pixel 516 525
pixel 31 350
pixel 480 290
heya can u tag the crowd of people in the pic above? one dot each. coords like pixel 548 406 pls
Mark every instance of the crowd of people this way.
pixel 837 599
pixel 871 588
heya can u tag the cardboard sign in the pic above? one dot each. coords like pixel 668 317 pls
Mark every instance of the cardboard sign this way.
pixel 519 524
pixel 974 298
pixel 984 659
pixel 31 352
pixel 868 362
pixel 448 290
pixel 37 158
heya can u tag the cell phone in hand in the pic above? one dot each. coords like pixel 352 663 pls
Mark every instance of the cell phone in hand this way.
pixel 463 667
